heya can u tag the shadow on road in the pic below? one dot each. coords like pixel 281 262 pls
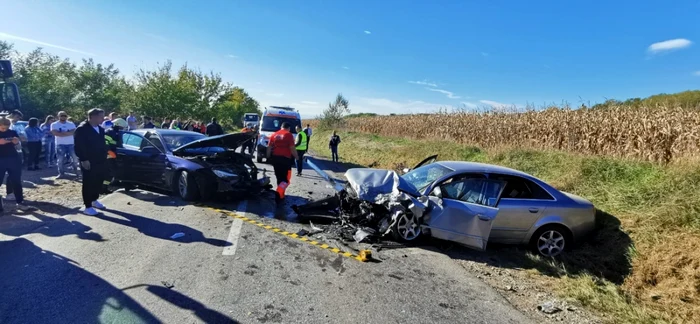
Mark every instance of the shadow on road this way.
pixel 182 301
pixel 39 286
pixel 37 221
pixel 157 229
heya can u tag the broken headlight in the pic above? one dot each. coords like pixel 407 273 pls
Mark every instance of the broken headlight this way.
pixel 225 175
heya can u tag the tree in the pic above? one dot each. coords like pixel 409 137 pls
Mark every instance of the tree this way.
pixel 234 104
pixel 333 116
pixel 6 50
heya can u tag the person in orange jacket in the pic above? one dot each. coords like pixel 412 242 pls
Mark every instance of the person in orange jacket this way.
pixel 250 145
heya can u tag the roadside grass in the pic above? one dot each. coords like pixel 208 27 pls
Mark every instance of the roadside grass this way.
pixel 643 263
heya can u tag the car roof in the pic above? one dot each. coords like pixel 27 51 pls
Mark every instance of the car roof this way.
pixel 164 131
pixel 463 166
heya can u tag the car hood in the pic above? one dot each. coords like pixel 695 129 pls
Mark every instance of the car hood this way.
pixel 377 185
pixel 229 141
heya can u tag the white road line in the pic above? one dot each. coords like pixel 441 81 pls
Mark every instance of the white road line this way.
pixel 235 232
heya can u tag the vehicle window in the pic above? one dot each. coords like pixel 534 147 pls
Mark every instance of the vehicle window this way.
pixel 492 192
pixel 155 141
pixel 133 140
pixel 466 189
pixel 125 137
pixel 273 124
pixel 173 141
pixel 520 188
pixel 251 117
pixel 422 177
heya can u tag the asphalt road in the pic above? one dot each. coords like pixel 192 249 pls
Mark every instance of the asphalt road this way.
pixel 123 267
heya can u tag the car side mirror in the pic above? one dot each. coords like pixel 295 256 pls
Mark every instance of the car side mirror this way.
pixel 437 192
pixel 151 150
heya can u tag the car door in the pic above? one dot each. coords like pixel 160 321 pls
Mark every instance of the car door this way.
pixel 465 210
pixel 140 161
pixel 522 203
pixel 426 161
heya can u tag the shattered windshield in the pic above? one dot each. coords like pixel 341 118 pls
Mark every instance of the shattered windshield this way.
pixel 422 177
pixel 175 141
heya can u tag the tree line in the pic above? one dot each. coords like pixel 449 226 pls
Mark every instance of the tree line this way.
pixel 49 83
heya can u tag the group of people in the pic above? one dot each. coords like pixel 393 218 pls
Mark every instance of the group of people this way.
pixel 91 148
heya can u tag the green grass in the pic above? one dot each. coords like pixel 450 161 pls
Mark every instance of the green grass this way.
pixel 644 211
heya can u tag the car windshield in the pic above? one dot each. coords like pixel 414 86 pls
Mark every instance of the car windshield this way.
pixel 422 177
pixel 273 124
pixel 173 141
pixel 251 117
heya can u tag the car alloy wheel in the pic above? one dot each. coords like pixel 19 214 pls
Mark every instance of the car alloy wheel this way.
pixel 551 243
pixel 407 227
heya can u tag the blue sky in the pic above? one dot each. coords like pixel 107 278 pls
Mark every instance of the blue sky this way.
pixel 386 56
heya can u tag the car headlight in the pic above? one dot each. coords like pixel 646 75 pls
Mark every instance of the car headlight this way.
pixel 225 174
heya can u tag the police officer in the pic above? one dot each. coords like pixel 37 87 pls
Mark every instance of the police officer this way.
pixel 113 140
pixel 301 145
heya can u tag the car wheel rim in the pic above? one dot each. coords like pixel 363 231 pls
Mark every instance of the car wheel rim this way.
pixel 408 227
pixel 182 184
pixel 551 243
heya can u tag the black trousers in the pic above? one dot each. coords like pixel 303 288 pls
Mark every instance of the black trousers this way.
pixel 282 166
pixel 300 161
pixel 34 152
pixel 92 182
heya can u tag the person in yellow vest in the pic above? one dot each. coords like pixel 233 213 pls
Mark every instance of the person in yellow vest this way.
pixel 113 139
pixel 301 145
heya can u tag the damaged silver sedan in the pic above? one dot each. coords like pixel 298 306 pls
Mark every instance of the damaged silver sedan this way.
pixel 463 202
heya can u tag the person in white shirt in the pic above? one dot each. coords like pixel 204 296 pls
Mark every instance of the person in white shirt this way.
pixel 131 120
pixel 63 130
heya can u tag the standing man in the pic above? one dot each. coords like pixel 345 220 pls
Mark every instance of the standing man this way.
pixel 64 130
pixel 333 145
pixel 131 120
pixel 10 162
pixel 308 131
pixel 91 150
pixel 165 124
pixel 248 129
pixel 108 122
pixel 147 123
pixel 14 117
pixel 214 128
pixel 280 151
pixel 301 145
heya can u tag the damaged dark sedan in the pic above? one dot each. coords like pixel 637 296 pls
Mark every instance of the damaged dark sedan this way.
pixel 188 164
pixel 464 202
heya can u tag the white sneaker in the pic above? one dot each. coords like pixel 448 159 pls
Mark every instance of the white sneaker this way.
pixel 23 207
pixel 90 211
pixel 98 205
pixel 10 197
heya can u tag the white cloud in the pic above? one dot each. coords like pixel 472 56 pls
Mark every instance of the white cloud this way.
pixel 34 41
pixel 367 32
pixel 424 82
pixel 484 54
pixel 696 73
pixel 346 68
pixel 669 45
pixel 232 56
pixel 387 106
pixel 311 103
pixel 276 95
pixel 449 94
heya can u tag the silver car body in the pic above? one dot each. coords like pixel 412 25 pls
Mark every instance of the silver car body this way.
pixel 495 209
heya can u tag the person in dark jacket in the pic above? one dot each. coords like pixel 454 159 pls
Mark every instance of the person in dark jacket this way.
pixel 214 128
pixel 113 140
pixel 91 150
pixel 147 122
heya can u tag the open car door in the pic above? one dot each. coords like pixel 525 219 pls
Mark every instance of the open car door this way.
pixel 139 161
pixel 465 210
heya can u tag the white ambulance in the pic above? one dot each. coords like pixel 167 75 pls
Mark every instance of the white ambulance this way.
pixel 272 119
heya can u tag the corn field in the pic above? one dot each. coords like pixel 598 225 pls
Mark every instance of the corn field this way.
pixel 660 133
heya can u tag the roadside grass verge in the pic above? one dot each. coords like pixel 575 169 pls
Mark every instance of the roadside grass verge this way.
pixel 643 263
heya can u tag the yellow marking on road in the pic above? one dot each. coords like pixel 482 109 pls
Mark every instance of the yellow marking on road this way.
pixel 288 234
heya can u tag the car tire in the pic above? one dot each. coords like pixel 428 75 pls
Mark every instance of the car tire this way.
pixel 551 240
pixel 186 186
pixel 406 228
